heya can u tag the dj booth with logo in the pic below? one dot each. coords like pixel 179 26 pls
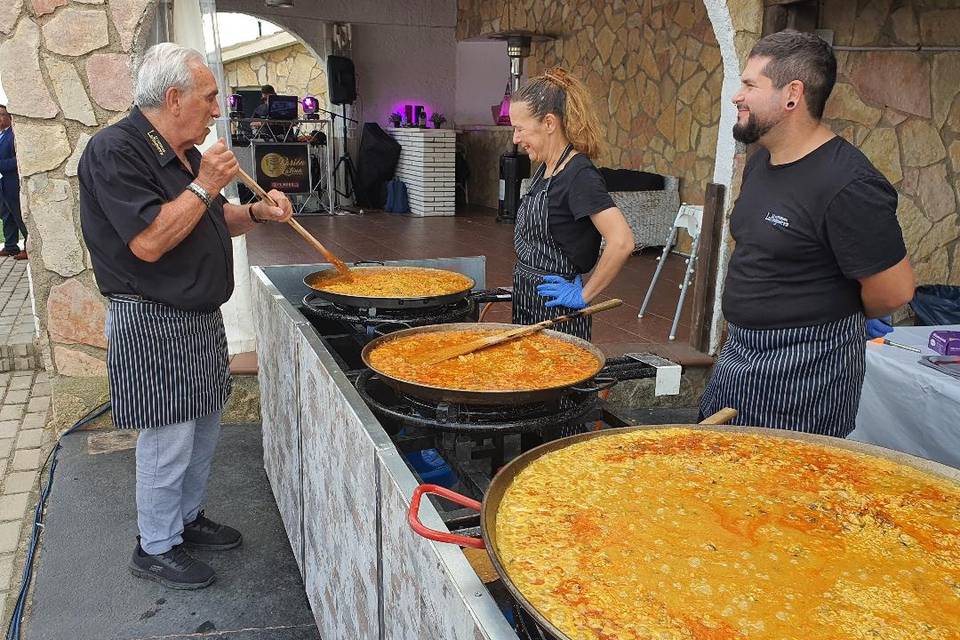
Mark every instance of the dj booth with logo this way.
pixel 284 166
pixel 291 156
pixel 293 153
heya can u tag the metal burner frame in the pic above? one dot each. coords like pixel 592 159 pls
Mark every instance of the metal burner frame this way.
pixel 479 420
pixel 475 441
pixel 376 322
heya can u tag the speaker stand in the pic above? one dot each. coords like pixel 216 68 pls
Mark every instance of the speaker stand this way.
pixel 349 171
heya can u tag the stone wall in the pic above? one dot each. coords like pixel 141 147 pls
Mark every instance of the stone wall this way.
pixel 292 71
pixel 902 109
pixel 653 67
pixel 66 70
pixel 483 147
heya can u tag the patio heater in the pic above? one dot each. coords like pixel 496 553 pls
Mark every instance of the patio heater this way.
pixel 514 166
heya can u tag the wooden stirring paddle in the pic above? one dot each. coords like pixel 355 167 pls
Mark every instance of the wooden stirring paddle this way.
pixel 500 338
pixel 326 253
pixel 724 416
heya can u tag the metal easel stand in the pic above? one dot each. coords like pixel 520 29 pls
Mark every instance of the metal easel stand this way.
pixel 689 217
pixel 311 203
pixel 320 192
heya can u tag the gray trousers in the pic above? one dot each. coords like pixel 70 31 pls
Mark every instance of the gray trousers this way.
pixel 173 466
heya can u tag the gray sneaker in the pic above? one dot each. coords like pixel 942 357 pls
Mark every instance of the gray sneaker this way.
pixel 175 569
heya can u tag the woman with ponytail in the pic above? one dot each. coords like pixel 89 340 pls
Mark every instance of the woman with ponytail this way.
pixel 567 211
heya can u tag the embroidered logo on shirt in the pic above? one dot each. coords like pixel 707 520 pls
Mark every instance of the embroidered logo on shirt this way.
pixel 777 221
pixel 157 141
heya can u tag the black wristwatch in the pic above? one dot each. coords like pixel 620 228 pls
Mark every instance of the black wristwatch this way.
pixel 253 217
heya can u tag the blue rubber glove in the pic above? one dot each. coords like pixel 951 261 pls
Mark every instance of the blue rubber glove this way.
pixel 564 293
pixel 879 327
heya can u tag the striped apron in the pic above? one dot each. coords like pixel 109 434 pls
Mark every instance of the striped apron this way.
pixel 538 254
pixel 802 379
pixel 165 366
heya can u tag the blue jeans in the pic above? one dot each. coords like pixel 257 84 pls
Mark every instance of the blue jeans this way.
pixel 173 466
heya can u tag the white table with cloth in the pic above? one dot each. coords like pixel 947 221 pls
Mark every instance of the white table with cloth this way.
pixel 907 406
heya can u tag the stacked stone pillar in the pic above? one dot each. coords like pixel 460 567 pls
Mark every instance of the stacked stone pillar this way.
pixel 66 70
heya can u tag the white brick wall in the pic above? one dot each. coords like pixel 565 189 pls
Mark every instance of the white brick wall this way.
pixel 427 168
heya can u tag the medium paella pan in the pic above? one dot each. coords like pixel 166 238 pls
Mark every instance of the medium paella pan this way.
pixel 530 369
pixel 390 287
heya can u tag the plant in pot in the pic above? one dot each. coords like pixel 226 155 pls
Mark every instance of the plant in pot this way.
pixel 438 119
pixel 395 118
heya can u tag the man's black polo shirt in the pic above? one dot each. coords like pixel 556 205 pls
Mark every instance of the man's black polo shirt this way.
pixel 127 172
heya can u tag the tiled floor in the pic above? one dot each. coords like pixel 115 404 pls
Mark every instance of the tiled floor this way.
pixel 17 328
pixel 383 236
pixel 24 444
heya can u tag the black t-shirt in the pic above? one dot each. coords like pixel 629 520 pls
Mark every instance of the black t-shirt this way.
pixel 576 193
pixel 127 172
pixel 805 232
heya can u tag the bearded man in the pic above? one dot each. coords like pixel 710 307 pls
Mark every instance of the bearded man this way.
pixel 818 251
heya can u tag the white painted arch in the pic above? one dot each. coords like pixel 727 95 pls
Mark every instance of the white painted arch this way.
pixel 726 150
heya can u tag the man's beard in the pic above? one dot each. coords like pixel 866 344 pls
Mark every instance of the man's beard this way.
pixel 752 131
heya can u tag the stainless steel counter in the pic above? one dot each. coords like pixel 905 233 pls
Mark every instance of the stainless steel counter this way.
pixel 343 489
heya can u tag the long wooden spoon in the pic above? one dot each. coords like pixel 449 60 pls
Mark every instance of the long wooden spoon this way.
pixel 326 253
pixel 488 341
pixel 723 416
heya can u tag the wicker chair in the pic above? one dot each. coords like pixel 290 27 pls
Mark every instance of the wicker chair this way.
pixel 650 214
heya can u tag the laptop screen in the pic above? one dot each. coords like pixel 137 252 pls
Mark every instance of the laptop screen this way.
pixel 282 107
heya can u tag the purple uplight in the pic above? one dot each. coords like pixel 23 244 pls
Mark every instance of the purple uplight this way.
pixel 310 104
pixel 504 117
pixel 235 101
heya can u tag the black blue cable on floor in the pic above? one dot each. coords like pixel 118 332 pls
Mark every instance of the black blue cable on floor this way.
pixel 13 631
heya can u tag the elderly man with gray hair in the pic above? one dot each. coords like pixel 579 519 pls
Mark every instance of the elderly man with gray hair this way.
pixel 158 232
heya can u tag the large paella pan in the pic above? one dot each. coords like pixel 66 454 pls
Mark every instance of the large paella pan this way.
pixel 692 532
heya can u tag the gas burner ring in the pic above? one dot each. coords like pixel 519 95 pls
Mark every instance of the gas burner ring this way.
pixel 572 409
pixel 375 320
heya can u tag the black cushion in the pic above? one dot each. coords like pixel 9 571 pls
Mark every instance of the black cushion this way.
pixel 629 180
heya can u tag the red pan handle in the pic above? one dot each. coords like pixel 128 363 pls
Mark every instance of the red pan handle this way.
pixel 413 516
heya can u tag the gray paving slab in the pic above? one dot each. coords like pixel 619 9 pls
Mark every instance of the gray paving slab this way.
pixel 83 590
pixel 15 304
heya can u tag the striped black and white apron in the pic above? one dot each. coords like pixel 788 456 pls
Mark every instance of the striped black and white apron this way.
pixel 538 254
pixel 165 365
pixel 802 379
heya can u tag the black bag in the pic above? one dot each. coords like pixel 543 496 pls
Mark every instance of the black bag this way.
pixel 936 304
